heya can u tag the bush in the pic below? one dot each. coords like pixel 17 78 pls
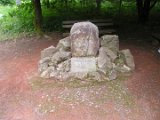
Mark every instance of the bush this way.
pixel 7 2
pixel 51 20
pixel 20 19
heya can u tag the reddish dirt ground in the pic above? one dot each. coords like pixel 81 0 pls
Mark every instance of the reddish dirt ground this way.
pixel 19 101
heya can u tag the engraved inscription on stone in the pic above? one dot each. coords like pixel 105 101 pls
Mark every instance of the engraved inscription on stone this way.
pixel 83 64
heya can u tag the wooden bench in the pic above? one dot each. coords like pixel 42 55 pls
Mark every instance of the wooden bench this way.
pixel 105 26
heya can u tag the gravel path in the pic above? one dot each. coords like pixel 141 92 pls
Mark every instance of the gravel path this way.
pixel 25 96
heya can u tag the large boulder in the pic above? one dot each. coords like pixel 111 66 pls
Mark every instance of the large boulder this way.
pixel 84 39
pixel 111 42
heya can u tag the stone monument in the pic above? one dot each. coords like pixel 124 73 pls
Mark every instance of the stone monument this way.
pixel 83 55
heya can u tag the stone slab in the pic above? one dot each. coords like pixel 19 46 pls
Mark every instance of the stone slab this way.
pixel 83 64
pixel 84 39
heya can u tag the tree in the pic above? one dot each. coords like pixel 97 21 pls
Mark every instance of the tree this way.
pixel 7 2
pixel 47 3
pixel 38 16
pixel 144 7
pixel 120 6
pixel 98 5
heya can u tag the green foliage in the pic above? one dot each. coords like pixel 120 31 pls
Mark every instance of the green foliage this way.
pixel 5 9
pixel 18 20
pixel 51 20
pixel 7 2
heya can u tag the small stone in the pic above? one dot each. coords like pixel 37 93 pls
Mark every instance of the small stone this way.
pixel 42 67
pixel 45 60
pixel 120 60
pixel 66 76
pixel 60 56
pixel 46 73
pixel 112 75
pixel 96 76
pixel 54 74
pixel 122 68
pixel 64 66
pixel 126 68
pixel 111 42
pixel 128 58
pixel 64 44
pixel 80 75
pixel 109 53
pixel 159 50
pixel 48 52
pixel 43 64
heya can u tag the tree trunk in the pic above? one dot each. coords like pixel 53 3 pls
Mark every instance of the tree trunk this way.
pixel 146 10
pixel 144 7
pixel 66 3
pixel 48 4
pixel 38 16
pixel 120 6
pixel 98 5
pixel 140 10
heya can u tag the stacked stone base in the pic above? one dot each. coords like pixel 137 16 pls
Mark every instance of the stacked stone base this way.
pixel 59 63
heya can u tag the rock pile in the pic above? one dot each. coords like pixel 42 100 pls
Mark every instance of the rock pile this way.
pixel 83 55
